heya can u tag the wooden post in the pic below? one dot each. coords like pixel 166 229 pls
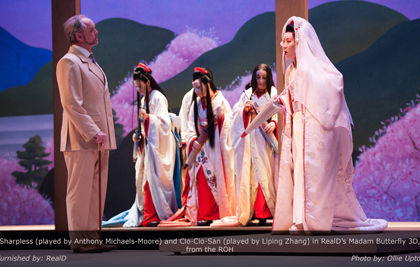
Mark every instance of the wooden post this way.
pixel 284 10
pixel 61 10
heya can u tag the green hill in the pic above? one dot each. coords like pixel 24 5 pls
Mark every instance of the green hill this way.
pixel 381 80
pixel 31 99
pixel 253 44
pixel 122 43
pixel 347 28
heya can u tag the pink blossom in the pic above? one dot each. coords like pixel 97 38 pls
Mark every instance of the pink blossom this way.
pixel 49 148
pixel 181 52
pixel 21 205
pixel 387 175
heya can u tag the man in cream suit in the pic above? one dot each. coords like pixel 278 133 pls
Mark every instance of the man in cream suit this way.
pixel 87 122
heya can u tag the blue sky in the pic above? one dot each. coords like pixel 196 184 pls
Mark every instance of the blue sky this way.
pixel 30 21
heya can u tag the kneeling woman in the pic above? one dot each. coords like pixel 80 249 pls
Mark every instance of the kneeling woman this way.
pixel 210 181
pixel 155 199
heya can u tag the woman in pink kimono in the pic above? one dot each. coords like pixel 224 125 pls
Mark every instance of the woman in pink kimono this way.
pixel 315 190
pixel 210 182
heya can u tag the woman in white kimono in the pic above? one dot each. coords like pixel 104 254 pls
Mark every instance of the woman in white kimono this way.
pixel 315 190
pixel 210 181
pixel 184 114
pixel 255 161
pixel 155 199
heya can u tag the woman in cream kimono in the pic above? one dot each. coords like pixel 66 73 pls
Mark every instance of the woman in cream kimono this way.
pixel 155 199
pixel 255 161
pixel 315 190
pixel 184 114
pixel 210 181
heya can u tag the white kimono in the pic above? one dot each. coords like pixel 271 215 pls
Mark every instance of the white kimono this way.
pixel 315 189
pixel 217 162
pixel 155 164
pixel 256 164
pixel 184 113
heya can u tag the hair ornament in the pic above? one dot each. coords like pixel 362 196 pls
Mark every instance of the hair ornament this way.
pixel 144 67
pixel 200 73
pixel 200 70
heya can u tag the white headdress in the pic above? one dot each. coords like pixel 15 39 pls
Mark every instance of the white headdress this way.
pixel 318 85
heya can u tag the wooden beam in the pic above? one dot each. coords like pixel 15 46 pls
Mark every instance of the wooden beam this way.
pixel 61 10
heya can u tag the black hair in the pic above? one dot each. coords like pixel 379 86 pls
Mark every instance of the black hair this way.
pixel 142 74
pixel 270 82
pixel 204 76
pixel 290 28
pixel 248 85
pixel 207 79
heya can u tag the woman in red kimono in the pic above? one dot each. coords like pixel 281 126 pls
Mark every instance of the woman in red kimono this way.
pixel 210 182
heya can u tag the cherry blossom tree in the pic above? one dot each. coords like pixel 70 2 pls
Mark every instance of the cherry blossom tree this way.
pixel 180 53
pixel 21 205
pixel 387 174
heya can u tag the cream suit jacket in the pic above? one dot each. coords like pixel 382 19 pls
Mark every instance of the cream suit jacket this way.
pixel 86 103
